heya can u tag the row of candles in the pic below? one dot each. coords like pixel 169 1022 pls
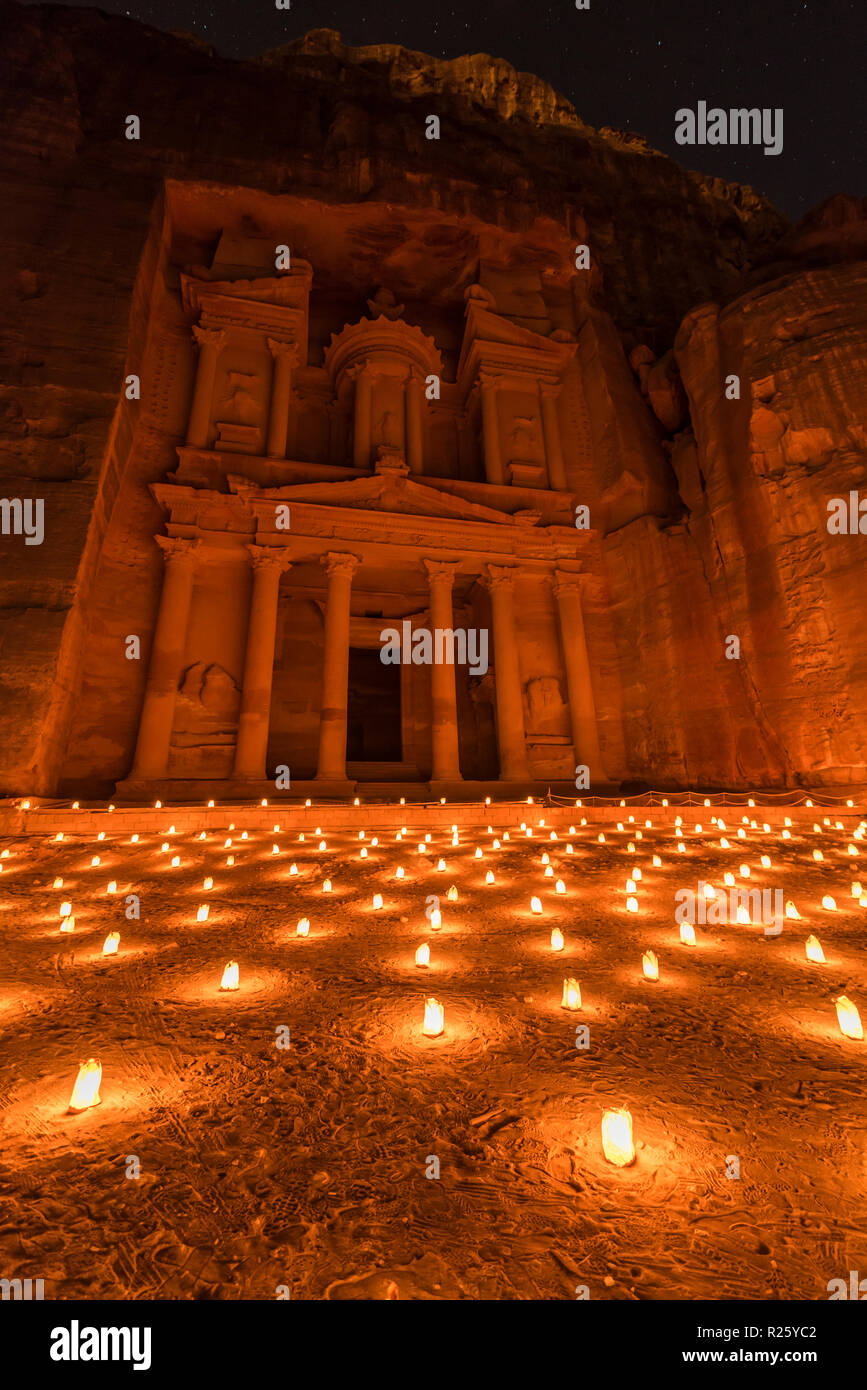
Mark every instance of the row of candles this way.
pixel 617 1124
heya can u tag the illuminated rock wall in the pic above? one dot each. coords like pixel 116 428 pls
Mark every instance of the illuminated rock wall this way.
pixel 707 516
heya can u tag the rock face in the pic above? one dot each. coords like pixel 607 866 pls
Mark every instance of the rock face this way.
pixel 708 514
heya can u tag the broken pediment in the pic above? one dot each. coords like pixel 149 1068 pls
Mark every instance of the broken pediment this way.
pixel 387 492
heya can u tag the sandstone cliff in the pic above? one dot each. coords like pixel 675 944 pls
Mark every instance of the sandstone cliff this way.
pixel 726 506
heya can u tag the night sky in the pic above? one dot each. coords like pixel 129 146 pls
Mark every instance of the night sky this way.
pixel 623 63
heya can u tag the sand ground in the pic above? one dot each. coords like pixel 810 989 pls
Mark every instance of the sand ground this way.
pixel 305 1167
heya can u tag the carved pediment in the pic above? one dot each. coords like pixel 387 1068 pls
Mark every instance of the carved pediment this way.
pixel 382 493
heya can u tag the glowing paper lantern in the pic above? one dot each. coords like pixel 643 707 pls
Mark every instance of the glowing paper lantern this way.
pixel 433 1018
pixel 569 849
pixel 857 890
pixel 571 995
pixel 58 883
pixel 745 870
pixel 85 1092
pixel 436 919
pixel 303 927
pixel 377 901
pixel 111 943
pixel 536 906
pixel 630 885
pixel 650 965
pixel 743 917
pixel 231 976
pixel 828 903
pixel 478 854
pixel 848 1018
pixel 687 933
pixel 560 886
pixel 549 872
pixel 326 887
pixel 293 870
pixel 631 904
pixel 112 886
pixel 398 873
pixel 792 912
pixel 94 863
pixel 766 861
pixel 545 859
pixel 202 913
pixel 557 942
pixel 729 880
pixel 814 950
pixel 441 866
pixel 617 1144
pixel 489 876
pixel 818 855
pixel 176 859
pixel 275 849
pixel 322 846
pixel 657 862
pixel 709 892
pixel 422 955
pixel 66 909
pixel 363 853
pixel 68 924
pixel 452 894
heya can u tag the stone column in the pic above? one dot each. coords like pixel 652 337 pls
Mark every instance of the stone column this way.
pixel 210 341
pixel 269 562
pixel 446 765
pixel 281 390
pixel 494 471
pixel 514 766
pixel 551 431
pixel 363 409
pixel 167 660
pixel 335 668
pixel 413 402
pixel 582 707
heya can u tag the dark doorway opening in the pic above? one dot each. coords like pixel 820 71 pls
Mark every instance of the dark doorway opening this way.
pixel 373 716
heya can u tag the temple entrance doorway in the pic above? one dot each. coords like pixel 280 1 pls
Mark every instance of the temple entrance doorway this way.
pixel 373 726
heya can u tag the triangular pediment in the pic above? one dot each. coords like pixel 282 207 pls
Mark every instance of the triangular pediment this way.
pixel 381 493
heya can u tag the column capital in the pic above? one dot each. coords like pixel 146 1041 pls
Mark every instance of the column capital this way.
pixel 178 549
pixel 488 380
pixel 441 571
pixel 269 557
pixel 360 369
pixel 210 337
pixel 278 348
pixel 336 563
pixel 549 390
pixel 499 576
pixel 566 582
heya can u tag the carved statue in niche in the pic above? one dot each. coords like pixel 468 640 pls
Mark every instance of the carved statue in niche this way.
pixel 524 435
pixel 388 429
pixel 546 709
pixel 384 305
pixel 208 703
pixel 243 408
